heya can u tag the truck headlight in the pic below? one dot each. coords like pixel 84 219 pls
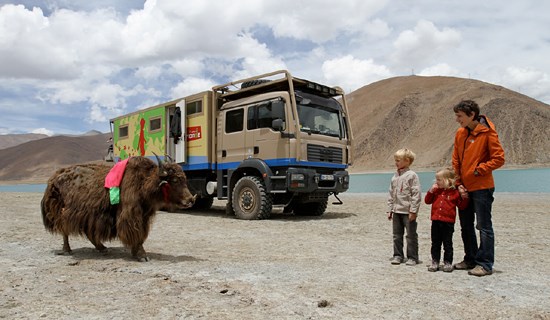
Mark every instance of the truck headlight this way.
pixel 297 177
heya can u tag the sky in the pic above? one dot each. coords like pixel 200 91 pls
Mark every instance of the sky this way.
pixel 69 66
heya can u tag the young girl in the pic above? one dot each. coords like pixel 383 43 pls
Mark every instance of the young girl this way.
pixel 444 198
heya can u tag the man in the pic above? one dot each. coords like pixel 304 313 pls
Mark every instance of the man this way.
pixel 477 152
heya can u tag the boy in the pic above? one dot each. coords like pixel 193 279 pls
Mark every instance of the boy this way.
pixel 403 204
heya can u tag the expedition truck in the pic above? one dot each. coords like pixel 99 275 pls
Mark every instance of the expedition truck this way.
pixel 267 141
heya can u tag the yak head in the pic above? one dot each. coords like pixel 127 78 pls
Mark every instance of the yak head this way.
pixel 173 184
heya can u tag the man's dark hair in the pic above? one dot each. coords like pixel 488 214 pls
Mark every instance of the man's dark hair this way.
pixel 468 107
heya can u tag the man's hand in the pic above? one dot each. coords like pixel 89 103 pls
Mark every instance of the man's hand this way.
pixel 389 215
pixel 412 216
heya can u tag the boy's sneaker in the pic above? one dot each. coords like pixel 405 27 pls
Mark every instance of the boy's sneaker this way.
pixel 434 267
pixel 396 260
pixel 463 265
pixel 411 262
pixel 447 267
pixel 479 271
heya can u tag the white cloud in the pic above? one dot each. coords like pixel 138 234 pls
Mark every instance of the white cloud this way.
pixel 377 28
pixel 441 69
pixel 416 47
pixel 351 73
pixel 187 67
pixel 529 81
pixel 319 21
pixel 43 131
pixel 148 72
pixel 190 86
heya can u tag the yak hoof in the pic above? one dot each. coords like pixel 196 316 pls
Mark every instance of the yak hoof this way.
pixel 64 253
pixel 143 259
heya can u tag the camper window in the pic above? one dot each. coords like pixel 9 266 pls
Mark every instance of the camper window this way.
pixel 123 132
pixel 194 107
pixel 155 124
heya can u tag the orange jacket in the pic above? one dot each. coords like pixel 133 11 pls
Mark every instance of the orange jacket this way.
pixel 477 150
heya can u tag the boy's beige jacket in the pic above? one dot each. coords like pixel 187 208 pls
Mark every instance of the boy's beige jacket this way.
pixel 405 192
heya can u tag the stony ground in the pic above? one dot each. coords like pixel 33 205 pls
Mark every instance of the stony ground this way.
pixel 206 265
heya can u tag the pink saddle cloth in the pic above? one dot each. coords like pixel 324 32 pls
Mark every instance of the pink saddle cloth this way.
pixel 113 179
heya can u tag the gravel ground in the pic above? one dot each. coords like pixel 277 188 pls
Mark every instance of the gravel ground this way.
pixel 206 265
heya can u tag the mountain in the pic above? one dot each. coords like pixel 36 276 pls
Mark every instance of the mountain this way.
pixel 37 160
pixel 417 113
pixel 413 112
pixel 10 140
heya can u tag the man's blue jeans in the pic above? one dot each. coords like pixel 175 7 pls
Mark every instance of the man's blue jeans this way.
pixel 478 209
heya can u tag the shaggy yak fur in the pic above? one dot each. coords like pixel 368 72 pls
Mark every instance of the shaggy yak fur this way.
pixel 77 203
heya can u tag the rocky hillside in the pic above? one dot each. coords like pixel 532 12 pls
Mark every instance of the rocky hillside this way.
pixel 36 161
pixel 416 112
pixel 10 140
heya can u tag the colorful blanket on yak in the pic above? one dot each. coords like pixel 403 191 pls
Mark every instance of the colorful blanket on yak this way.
pixel 113 179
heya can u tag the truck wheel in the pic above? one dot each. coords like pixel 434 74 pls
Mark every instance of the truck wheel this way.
pixel 251 200
pixel 311 208
pixel 203 203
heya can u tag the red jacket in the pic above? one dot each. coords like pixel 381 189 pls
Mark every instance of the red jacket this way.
pixel 477 150
pixel 444 203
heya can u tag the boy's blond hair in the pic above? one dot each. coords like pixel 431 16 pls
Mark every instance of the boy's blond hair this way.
pixel 449 177
pixel 405 154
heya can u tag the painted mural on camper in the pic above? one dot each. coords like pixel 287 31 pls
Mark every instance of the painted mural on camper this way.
pixel 140 134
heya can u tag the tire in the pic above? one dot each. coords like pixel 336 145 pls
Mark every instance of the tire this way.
pixel 203 203
pixel 250 199
pixel 252 83
pixel 311 209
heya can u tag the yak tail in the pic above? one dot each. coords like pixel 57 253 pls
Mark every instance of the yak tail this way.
pixel 51 206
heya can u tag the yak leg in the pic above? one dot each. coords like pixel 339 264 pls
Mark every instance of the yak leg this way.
pixel 66 247
pixel 98 245
pixel 139 253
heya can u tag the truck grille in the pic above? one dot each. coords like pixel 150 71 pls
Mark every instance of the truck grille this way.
pixel 324 154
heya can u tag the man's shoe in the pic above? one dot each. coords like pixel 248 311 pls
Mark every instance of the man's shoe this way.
pixel 462 265
pixel 396 260
pixel 479 271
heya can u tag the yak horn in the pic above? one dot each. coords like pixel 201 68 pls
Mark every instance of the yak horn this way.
pixel 162 172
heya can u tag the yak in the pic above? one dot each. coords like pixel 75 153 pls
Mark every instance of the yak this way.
pixel 76 202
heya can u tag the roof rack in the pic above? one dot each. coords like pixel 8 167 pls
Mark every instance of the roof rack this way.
pixel 280 80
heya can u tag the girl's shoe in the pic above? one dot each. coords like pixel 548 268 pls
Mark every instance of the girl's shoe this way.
pixel 447 267
pixel 434 267
pixel 396 260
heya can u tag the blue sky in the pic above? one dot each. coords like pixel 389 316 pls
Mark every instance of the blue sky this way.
pixel 68 66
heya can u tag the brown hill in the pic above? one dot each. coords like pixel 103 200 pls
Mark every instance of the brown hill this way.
pixel 37 160
pixel 416 112
pixel 10 140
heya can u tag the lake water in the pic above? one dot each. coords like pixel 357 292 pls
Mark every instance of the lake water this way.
pixel 523 180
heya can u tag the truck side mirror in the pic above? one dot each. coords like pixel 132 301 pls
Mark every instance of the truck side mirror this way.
pixel 277 124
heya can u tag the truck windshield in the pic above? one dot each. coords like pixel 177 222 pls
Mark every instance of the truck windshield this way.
pixel 319 115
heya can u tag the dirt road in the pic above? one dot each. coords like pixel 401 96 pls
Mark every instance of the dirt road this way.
pixel 211 266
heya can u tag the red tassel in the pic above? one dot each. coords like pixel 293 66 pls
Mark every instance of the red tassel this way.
pixel 166 192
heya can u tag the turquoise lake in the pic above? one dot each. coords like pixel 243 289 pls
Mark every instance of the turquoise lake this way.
pixel 523 180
